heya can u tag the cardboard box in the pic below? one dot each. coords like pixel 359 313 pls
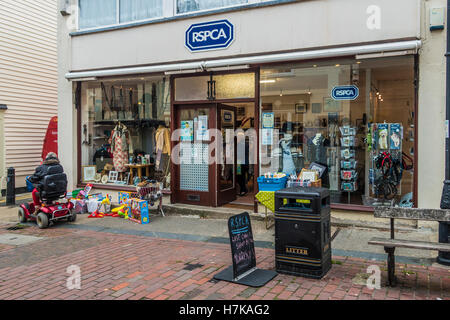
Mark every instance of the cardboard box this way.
pixel 138 211
pixel 124 196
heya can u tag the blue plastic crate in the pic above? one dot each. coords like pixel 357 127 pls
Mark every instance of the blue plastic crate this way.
pixel 271 184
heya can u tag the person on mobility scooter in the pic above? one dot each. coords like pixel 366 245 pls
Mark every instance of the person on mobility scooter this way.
pixel 50 185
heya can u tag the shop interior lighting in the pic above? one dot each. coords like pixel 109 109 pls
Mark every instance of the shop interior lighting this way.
pixel 281 74
pixel 268 81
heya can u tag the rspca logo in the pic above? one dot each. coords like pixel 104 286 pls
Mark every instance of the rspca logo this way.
pixel 209 35
pixel 345 93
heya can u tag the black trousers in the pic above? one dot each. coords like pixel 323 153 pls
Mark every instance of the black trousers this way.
pixel 241 179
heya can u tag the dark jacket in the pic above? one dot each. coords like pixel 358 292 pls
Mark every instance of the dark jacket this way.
pixel 49 166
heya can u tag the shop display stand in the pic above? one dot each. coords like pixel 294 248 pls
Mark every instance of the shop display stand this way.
pixel 382 141
pixel 349 175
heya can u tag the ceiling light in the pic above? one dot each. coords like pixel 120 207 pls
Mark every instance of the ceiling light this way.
pixel 338 65
pixel 268 81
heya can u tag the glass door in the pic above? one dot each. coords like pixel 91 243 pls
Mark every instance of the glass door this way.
pixel 226 167
pixel 194 181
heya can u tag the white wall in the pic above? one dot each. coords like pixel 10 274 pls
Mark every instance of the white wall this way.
pixel 431 114
pixel 300 25
pixel 67 142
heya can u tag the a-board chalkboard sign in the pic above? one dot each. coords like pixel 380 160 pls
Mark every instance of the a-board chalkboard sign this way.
pixel 243 271
pixel 242 245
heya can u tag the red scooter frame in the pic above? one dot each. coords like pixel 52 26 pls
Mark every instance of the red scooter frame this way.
pixel 44 214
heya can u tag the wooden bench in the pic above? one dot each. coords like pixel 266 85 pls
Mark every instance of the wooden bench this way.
pixel 392 243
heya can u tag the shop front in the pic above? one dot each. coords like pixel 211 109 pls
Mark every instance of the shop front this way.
pixel 206 124
pixel 206 137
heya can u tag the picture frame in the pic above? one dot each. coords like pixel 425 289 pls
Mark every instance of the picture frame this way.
pixel 113 176
pixel 126 177
pixel 88 173
pixel 311 175
pixel 300 107
pixel 331 105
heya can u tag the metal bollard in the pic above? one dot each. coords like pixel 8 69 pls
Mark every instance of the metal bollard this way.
pixel 11 187
pixel 444 237
pixel 444 227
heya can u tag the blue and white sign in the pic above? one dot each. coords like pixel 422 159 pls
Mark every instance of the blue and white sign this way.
pixel 210 35
pixel 345 92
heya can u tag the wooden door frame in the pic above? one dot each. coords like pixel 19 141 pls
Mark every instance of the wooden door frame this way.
pixel 177 195
pixel 256 103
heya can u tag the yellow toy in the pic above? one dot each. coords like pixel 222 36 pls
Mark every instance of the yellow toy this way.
pixel 118 209
pixel 105 202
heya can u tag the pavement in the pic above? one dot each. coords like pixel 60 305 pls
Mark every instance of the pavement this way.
pixel 176 257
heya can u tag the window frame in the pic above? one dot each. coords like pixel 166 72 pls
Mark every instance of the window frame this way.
pixel 177 14
pixel 166 9
pixel 169 10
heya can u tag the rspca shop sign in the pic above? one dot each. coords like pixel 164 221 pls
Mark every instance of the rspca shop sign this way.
pixel 345 93
pixel 209 35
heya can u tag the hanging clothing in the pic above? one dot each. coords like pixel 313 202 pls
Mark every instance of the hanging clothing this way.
pixel 162 138
pixel 317 149
pixel 121 147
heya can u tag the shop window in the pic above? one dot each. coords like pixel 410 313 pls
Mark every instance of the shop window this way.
pixel 125 137
pixel 229 86
pixel 367 144
pixel 184 6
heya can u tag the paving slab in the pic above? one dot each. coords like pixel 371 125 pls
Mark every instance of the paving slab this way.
pixel 17 239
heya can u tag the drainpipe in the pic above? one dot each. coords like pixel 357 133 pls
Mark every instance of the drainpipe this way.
pixel 444 232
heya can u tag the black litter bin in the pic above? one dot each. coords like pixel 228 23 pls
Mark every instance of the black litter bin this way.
pixel 303 231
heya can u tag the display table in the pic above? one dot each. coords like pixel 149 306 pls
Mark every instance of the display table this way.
pixel 139 168
pixel 267 199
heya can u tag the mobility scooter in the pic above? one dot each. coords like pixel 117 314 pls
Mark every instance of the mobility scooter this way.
pixel 45 208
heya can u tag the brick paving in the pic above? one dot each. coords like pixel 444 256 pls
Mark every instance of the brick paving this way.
pixel 119 267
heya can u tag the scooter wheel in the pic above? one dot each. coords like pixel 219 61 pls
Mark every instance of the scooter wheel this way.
pixel 72 217
pixel 22 215
pixel 42 220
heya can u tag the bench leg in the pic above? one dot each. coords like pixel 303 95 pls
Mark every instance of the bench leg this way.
pixel 392 281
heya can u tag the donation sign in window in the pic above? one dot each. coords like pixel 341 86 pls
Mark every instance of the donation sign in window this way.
pixel 354 118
